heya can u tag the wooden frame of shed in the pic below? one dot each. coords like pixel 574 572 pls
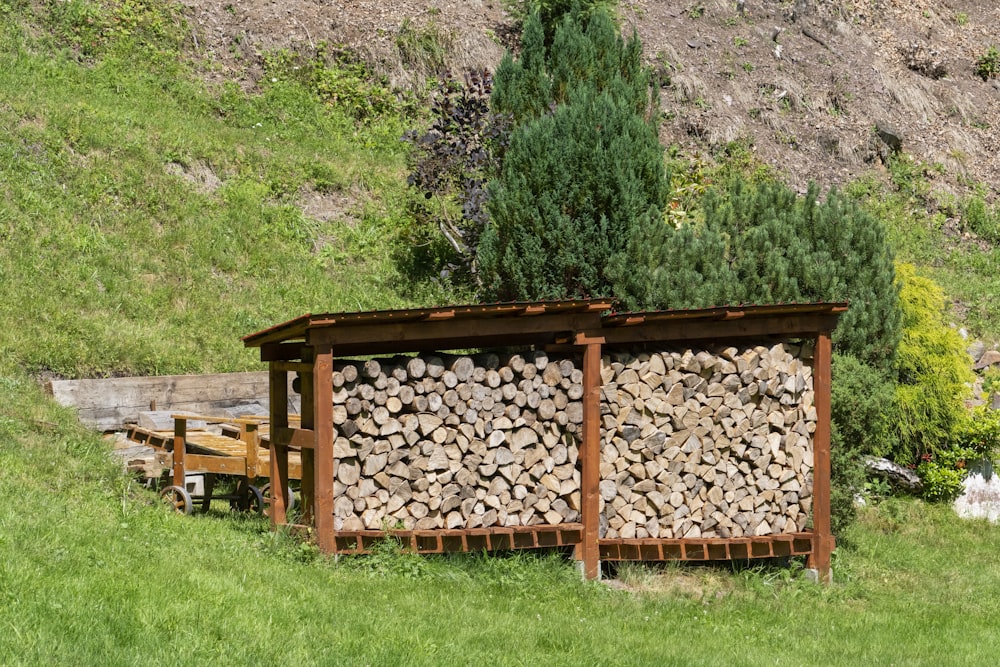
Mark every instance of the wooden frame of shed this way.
pixel 308 345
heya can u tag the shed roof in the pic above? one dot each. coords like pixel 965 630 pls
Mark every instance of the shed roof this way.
pixel 471 323
pixel 482 325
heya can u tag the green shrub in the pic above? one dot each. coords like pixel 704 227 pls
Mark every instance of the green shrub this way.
pixel 584 166
pixel 93 28
pixel 862 405
pixel 336 77
pixel 847 478
pixel 424 49
pixel 991 381
pixel 978 218
pixel 862 408
pixel 933 369
pixel 450 164
pixel 943 473
pixel 760 243
pixel 981 433
pixel 988 65
pixel 551 11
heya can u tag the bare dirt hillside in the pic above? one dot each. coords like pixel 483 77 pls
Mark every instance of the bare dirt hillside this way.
pixel 820 89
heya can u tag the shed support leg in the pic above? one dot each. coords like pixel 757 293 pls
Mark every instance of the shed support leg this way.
pixel 323 463
pixel 588 553
pixel 823 541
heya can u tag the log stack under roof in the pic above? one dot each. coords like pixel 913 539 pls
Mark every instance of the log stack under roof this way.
pixel 700 444
pixel 695 443
pixel 437 441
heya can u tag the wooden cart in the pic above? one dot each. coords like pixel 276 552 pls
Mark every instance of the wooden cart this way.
pixel 240 452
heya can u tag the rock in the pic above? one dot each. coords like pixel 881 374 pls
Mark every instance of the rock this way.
pixel 892 137
pixel 988 358
pixel 897 476
pixel 924 61
pixel 976 350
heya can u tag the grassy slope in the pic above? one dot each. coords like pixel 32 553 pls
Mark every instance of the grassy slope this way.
pixel 110 264
pixel 916 217
pixel 140 270
pixel 93 572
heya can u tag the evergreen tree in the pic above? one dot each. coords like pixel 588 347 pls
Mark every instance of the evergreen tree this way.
pixel 550 12
pixel 763 244
pixel 584 166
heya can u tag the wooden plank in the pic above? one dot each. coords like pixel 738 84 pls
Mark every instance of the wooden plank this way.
pixel 282 352
pixel 307 455
pixel 675 331
pixel 823 542
pixel 705 548
pixel 403 336
pixel 301 438
pixel 323 463
pixel 465 539
pixel 163 420
pixel 590 456
pixel 250 435
pixel 112 403
pixel 180 449
pixel 222 465
pixel 280 381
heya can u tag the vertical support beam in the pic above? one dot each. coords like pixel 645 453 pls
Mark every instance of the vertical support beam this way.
pixel 308 456
pixel 590 456
pixel 278 387
pixel 323 446
pixel 180 448
pixel 251 440
pixel 823 541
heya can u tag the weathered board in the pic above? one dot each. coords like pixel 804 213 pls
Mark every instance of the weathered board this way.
pixel 110 404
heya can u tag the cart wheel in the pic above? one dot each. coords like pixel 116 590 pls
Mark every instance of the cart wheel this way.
pixel 289 501
pixel 178 498
pixel 248 499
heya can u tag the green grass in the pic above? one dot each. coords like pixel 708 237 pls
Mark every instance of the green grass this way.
pixel 915 217
pixel 93 571
pixel 112 261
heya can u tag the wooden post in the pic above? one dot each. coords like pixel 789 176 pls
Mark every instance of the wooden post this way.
pixel 590 456
pixel 823 541
pixel 308 455
pixel 251 439
pixel 180 448
pixel 278 385
pixel 322 394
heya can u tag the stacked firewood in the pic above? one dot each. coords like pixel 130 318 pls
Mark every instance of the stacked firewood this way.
pixel 695 443
pixel 706 444
pixel 436 441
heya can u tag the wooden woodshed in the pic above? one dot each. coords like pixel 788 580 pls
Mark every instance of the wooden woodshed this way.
pixel 588 457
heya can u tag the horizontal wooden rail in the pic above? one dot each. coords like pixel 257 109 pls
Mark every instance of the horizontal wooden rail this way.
pixel 218 420
pixel 472 539
pixel 223 465
pixel 533 537
pixel 739 548
pixel 297 438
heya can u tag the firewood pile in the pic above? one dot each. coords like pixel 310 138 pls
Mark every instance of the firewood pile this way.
pixel 694 443
pixel 457 442
pixel 701 444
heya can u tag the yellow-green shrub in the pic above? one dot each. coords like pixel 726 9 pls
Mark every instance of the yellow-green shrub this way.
pixel 933 368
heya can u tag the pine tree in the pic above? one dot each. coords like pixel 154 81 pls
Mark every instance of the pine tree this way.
pixel 764 244
pixel 584 166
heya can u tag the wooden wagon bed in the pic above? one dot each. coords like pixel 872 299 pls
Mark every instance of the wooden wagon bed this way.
pixel 241 450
